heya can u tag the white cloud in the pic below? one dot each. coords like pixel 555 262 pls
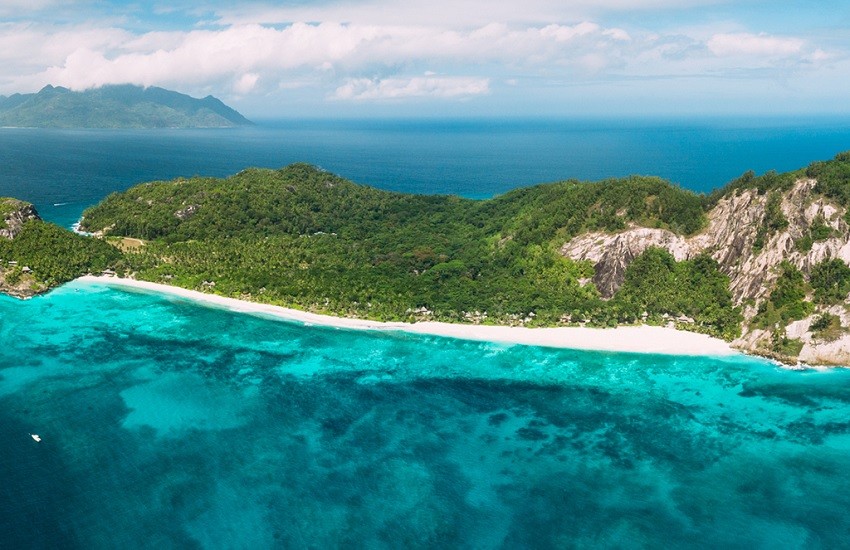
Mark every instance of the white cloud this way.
pixel 246 83
pixel 819 55
pixel 618 34
pixel 25 45
pixel 205 57
pixel 389 52
pixel 762 45
pixel 401 88
pixel 562 33
pixel 19 7
pixel 461 13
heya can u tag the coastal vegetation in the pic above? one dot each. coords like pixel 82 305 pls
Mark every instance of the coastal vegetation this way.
pixel 787 302
pixel 657 284
pixel 832 179
pixel 36 256
pixel 302 237
pixel 7 206
pixel 831 281
pixel 305 238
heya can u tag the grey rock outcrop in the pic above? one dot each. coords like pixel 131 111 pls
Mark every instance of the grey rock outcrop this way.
pixel 185 213
pixel 14 214
pixel 612 254
pixel 730 238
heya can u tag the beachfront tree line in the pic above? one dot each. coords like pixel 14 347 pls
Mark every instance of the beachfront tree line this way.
pixel 302 237
pixel 53 255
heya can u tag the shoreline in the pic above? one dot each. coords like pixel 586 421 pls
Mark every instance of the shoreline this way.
pixel 626 339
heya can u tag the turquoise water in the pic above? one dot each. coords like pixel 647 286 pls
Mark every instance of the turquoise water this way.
pixel 169 424
pixel 64 171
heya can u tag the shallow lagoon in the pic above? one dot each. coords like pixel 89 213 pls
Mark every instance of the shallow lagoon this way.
pixel 168 423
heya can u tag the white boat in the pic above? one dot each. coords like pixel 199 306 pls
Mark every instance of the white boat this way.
pixel 36 437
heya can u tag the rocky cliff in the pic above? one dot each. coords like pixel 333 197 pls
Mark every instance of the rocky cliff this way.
pixel 13 215
pixel 743 236
pixel 16 280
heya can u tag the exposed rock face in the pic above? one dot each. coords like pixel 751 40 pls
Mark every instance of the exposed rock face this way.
pixel 14 214
pixel 732 227
pixel 730 238
pixel 26 287
pixel 186 213
pixel 612 254
pixel 819 351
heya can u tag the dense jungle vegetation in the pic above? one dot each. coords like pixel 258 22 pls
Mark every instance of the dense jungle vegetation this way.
pixel 52 255
pixel 302 237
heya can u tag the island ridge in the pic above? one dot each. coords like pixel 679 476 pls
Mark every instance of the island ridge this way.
pixel 761 262
pixel 115 106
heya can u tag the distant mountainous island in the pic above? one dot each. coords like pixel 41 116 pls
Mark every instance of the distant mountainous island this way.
pixel 763 262
pixel 116 106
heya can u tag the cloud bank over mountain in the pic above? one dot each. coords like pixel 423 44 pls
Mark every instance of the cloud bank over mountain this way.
pixel 588 57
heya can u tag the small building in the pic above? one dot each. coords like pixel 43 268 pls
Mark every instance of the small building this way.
pixel 26 269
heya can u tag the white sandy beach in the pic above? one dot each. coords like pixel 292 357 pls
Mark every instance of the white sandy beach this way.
pixel 636 339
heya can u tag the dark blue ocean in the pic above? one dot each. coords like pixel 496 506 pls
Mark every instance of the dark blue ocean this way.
pixel 169 424
pixel 64 171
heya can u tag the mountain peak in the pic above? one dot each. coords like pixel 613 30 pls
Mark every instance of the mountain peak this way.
pixel 53 89
pixel 117 106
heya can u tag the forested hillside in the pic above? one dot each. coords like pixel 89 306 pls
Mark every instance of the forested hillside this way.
pixel 36 256
pixel 116 106
pixel 764 261
pixel 303 237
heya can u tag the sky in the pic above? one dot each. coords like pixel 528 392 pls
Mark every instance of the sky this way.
pixel 352 58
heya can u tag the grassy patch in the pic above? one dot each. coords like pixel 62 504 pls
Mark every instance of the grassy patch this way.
pixel 827 327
